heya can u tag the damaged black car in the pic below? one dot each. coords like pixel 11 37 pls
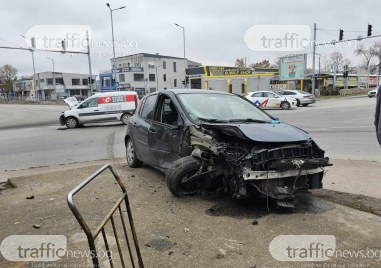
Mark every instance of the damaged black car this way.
pixel 208 141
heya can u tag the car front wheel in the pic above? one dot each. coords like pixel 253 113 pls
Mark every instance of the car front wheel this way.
pixel 72 122
pixel 285 105
pixel 182 178
pixel 125 118
pixel 132 159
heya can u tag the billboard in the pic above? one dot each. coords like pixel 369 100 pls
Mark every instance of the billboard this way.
pixel 293 67
pixel 224 71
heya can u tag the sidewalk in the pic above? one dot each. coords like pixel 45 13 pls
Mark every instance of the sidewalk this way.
pixel 349 176
pixel 355 177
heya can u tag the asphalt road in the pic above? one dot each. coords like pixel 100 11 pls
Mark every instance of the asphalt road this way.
pixel 342 127
pixel 30 135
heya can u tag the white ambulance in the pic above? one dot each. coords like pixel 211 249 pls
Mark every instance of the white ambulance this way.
pixel 100 107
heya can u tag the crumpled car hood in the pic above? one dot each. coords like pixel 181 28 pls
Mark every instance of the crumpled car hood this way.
pixel 281 132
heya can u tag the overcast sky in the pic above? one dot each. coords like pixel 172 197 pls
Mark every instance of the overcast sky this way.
pixel 214 29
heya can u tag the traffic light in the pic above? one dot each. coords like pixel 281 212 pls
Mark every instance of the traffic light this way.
pixel 341 35
pixel 92 80
pixel 63 44
pixel 113 81
pixel 33 41
pixel 187 80
pixel 369 30
pixel 88 80
pixel 345 74
pixel 183 82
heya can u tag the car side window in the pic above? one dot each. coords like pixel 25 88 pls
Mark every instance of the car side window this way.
pixel 148 106
pixel 283 93
pixel 270 95
pixel 265 94
pixel 292 93
pixel 89 103
pixel 167 112
pixel 257 94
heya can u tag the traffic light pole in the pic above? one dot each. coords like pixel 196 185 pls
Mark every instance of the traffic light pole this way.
pixel 89 59
pixel 313 61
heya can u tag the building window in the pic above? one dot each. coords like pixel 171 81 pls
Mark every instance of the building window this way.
pixel 49 81
pixel 164 77
pixel 174 67
pixel 76 82
pixel 59 81
pixel 164 65
pixel 42 80
pixel 151 65
pixel 120 65
pixel 152 89
pixel 85 82
pixel 175 82
pixel 138 77
pixel 152 78
pixel 121 78
pixel 128 64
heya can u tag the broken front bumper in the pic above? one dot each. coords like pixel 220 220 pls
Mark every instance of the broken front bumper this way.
pixel 288 168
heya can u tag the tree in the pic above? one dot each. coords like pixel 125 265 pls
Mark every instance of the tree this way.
pixel 376 51
pixel 336 58
pixel 261 64
pixel 368 54
pixel 240 63
pixel 8 74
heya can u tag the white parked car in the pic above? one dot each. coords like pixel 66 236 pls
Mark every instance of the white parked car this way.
pixel 100 107
pixel 269 99
pixel 302 97
pixel 373 92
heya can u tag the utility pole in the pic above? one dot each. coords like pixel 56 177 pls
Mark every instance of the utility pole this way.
pixel 313 61
pixel 54 79
pixel 185 65
pixel 113 42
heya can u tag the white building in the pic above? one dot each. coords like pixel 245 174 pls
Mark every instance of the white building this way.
pixel 147 72
pixel 66 84
pixel 24 86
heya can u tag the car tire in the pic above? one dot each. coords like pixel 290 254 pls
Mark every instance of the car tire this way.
pixel 71 122
pixel 132 160
pixel 285 105
pixel 125 118
pixel 298 103
pixel 306 104
pixel 182 169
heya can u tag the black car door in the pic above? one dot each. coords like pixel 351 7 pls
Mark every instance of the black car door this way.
pixel 140 127
pixel 165 133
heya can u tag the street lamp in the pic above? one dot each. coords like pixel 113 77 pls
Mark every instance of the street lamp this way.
pixel 157 78
pixel 112 32
pixel 34 70
pixel 54 77
pixel 185 66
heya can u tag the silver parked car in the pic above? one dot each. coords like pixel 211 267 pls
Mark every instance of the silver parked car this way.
pixel 302 97
pixel 373 92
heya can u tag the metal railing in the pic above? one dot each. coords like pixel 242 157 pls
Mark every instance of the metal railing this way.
pixel 110 218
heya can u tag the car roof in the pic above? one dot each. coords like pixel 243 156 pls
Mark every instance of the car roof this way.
pixel 176 91
pixel 184 91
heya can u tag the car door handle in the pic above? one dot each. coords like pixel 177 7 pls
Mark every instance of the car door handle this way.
pixel 152 130
pixel 96 110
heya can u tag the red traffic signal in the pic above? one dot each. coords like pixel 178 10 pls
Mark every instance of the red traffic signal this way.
pixel 369 30
pixel 341 35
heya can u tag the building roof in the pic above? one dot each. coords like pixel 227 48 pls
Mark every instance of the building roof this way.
pixel 157 55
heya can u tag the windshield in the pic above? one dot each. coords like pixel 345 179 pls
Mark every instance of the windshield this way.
pixel 220 108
